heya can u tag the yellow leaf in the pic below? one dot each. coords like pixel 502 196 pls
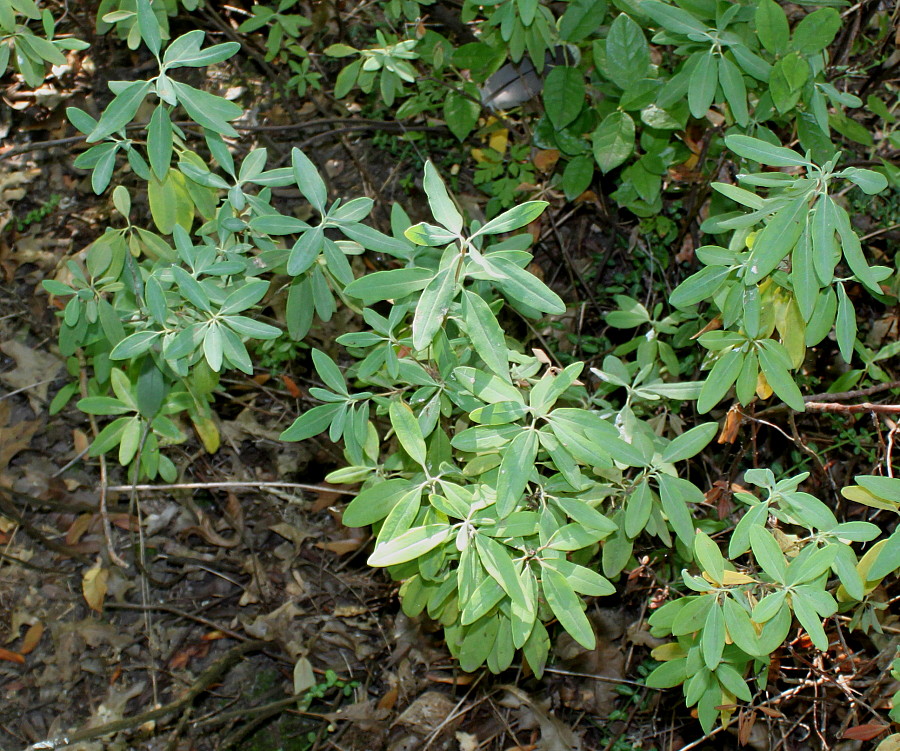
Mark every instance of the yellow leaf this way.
pixel 859 494
pixel 670 651
pixel 791 326
pixel 731 578
pixel 208 433
pixel 891 743
pixel 498 140
pixel 763 389
pixel 862 568
pixel 93 586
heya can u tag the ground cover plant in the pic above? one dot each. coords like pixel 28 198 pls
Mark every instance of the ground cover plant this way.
pixel 521 444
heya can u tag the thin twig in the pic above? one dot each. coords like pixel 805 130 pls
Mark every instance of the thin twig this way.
pixel 104 481
pixel 230 485
pixel 852 408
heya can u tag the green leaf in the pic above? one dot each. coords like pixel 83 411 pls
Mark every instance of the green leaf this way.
pixel 149 27
pixel 672 18
pixel 721 378
pixel 408 431
pixel 306 250
pixel 375 502
pixel 515 469
pixel 768 554
pixel 786 81
pixel 514 218
pixel 207 109
pixel 888 560
pixel 732 681
pixel 690 443
pixel 311 423
pixel 772 26
pixel 245 296
pixel 668 674
pixel 429 235
pixel 581 19
pixel 103 405
pixel 627 53
pixel 193 57
pixel 869 181
pixel 816 31
pixel 526 288
pixel 852 248
pixel 674 505
pixel 713 640
pixel 410 545
pixel 567 607
pixel 461 113
pixel 442 207
pixel 278 224
pixel 134 345
pixel 613 140
pixel 497 561
pixel 563 95
pixel 803 273
pixel 191 288
pixel 638 508
pixel 700 286
pixel 778 376
pixel 806 613
pixel 777 239
pixel 764 152
pixel 709 557
pixel 110 436
pixel 577 176
pixel 824 224
pixel 485 333
pixel 121 110
pixel 159 142
pixel 845 324
pixel 329 372
pixel 583 580
pixel 308 180
pixel 732 82
pixel 394 284
pixel 739 627
pixel 703 84
pixel 482 600
pixel 433 306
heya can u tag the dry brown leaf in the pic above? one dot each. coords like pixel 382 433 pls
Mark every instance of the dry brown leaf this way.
pixel 546 159
pixel 865 732
pixel 389 699
pixel 428 712
pixel 14 438
pixel 340 547
pixel 33 369
pixel 80 440
pixel 732 425
pixel 93 586
pixel 5 654
pixel 81 525
pixel 32 637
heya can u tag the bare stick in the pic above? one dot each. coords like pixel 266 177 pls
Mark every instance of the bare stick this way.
pixel 852 408
pixel 230 485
